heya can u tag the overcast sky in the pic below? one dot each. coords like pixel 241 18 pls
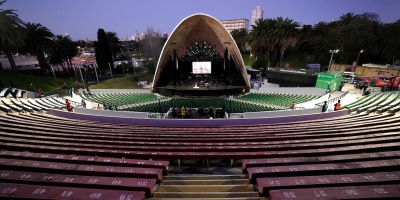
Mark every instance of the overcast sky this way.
pixel 82 18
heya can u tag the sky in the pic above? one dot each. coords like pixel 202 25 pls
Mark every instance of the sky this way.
pixel 82 18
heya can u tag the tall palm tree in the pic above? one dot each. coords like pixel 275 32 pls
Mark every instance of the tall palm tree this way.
pixel 239 35
pixel 347 18
pixel 64 49
pixel 11 34
pixel 113 43
pixel 287 35
pixel 56 52
pixel 272 37
pixel 261 40
pixel 39 42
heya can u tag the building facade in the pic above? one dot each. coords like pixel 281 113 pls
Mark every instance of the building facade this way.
pixel 233 24
pixel 256 14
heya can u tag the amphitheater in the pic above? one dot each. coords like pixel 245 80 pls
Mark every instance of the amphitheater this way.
pixel 135 148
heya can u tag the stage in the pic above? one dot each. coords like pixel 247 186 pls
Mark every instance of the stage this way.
pixel 195 90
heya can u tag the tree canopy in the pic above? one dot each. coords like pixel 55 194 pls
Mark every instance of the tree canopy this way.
pixel 271 39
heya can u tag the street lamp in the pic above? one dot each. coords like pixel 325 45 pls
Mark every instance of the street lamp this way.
pixel 110 70
pixel 80 71
pixel 95 71
pixel 359 55
pixel 330 62
pixel 52 69
pixel 159 105
pixel 76 76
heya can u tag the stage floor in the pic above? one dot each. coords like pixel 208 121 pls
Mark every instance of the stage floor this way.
pixel 193 87
pixel 216 90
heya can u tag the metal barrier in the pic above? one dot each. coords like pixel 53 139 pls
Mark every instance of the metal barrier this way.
pixel 332 100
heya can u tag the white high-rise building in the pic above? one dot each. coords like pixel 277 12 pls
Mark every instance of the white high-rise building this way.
pixel 256 14
pixel 233 24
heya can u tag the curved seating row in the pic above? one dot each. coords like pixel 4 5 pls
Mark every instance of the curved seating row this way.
pixel 13 92
pixel 286 160
pixel 25 191
pixel 280 100
pixel 29 105
pixel 379 102
pixel 145 102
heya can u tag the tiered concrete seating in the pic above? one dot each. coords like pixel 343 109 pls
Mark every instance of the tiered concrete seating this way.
pixel 118 183
pixel 342 149
pixel 19 104
pixel 267 184
pixel 26 103
pixel 51 103
pixel 35 103
pixel 45 104
pixel 87 160
pixel 5 108
pixel 348 192
pixel 8 104
pixel 185 145
pixel 317 170
pixel 23 191
pixel 32 171
pixel 4 92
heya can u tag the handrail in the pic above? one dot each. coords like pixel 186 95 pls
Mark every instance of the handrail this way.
pixel 332 100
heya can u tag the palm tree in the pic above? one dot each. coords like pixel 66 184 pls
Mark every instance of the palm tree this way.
pixel 287 35
pixel 239 35
pixel 56 53
pixel 64 49
pixel 113 43
pixel 39 42
pixel 270 39
pixel 261 41
pixel 347 18
pixel 11 34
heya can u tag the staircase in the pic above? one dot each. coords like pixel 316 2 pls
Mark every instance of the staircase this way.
pixel 221 187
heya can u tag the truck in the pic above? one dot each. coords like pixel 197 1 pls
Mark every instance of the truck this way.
pixel 387 82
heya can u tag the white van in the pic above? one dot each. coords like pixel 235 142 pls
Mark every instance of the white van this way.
pixel 349 77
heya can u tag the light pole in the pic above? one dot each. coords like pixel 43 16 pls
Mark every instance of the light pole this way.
pixel 330 62
pixel 76 76
pixel 159 105
pixel 359 55
pixel 52 69
pixel 80 71
pixel 95 71
pixel 110 70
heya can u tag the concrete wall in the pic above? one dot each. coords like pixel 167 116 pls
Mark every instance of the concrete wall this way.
pixel 290 78
pixel 111 113
pixel 281 113
pixel 196 122
pixel 366 71
pixel 291 90
pixel 99 91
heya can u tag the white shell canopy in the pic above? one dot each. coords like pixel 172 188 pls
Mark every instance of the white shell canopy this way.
pixel 198 28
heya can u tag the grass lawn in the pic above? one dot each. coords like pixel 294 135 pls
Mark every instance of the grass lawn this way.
pixel 47 83
pixel 22 81
pixel 247 61
pixel 126 82
pixel 296 60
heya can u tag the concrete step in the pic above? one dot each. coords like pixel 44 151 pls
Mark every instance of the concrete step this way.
pixel 237 198
pixel 207 182
pixel 205 177
pixel 206 188
pixel 203 195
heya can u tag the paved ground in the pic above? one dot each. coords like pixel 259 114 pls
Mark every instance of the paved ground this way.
pixel 355 93
pixel 352 96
